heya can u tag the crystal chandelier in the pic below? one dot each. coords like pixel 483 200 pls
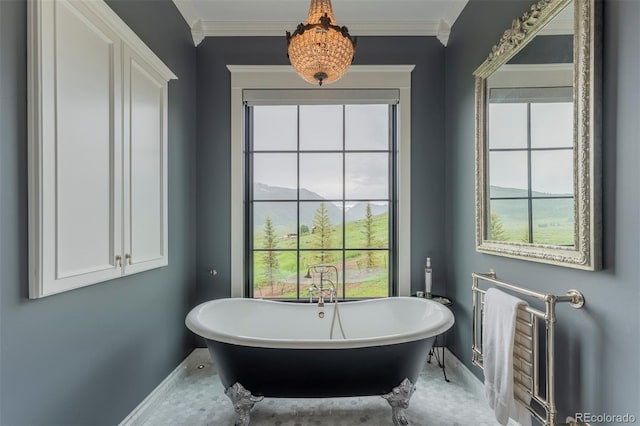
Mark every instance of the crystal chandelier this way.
pixel 319 50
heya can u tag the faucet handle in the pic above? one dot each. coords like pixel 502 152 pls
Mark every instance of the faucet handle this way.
pixel 333 292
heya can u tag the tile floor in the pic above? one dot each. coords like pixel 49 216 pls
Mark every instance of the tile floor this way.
pixel 198 399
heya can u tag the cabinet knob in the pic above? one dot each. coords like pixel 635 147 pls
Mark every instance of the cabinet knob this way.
pixel 118 261
pixel 128 258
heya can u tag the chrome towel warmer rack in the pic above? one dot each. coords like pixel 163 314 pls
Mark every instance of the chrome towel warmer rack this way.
pixel 526 354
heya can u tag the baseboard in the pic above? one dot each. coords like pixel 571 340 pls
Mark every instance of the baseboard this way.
pixel 471 382
pixel 141 413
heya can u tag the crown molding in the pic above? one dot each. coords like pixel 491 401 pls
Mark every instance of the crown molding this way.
pixel 188 11
pixel 201 29
pixel 197 32
pixel 454 11
pixel 443 32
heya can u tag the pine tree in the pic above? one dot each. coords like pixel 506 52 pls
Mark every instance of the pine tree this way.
pixel 369 237
pixel 497 232
pixel 269 257
pixel 322 234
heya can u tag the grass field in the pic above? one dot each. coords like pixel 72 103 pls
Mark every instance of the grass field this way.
pixel 553 217
pixel 554 231
pixel 555 228
pixel 358 279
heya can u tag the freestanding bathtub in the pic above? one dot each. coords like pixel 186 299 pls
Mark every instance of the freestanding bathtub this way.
pixel 281 349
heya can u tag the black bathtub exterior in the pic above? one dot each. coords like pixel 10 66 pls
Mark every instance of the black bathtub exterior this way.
pixel 315 373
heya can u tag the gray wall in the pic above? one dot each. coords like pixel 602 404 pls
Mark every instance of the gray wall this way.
pixel 214 127
pixel 89 356
pixel 597 362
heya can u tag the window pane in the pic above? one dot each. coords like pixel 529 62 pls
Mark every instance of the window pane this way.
pixel 274 274
pixel 298 206
pixel 275 128
pixel 507 125
pixel 275 177
pixel 552 173
pixel 552 125
pixel 366 176
pixel 367 229
pixel 321 174
pixel 367 273
pixel 320 127
pixel 366 127
pixel 509 220
pixel 553 221
pixel 323 225
pixel 508 174
pixel 274 225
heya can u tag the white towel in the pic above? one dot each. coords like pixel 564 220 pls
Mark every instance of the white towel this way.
pixel 498 331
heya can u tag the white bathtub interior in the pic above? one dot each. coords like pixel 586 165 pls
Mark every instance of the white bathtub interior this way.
pixel 266 323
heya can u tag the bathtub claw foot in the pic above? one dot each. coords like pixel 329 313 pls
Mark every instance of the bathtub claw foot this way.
pixel 242 401
pixel 399 398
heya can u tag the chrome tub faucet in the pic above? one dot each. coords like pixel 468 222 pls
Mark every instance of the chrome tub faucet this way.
pixel 325 277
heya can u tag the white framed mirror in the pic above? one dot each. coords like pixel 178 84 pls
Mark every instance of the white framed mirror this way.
pixel 538 165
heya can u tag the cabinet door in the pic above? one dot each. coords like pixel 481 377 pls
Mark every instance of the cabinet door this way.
pixel 75 135
pixel 145 165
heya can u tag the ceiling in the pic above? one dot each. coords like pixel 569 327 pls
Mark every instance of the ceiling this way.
pixel 211 18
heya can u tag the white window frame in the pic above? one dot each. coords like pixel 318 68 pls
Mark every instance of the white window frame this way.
pixel 284 77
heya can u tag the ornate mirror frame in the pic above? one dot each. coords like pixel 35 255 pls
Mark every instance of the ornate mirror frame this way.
pixel 586 251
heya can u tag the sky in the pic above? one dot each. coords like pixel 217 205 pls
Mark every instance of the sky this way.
pixel 324 128
pixel 366 127
pixel 551 127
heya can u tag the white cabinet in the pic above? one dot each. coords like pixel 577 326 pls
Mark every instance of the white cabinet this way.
pixel 97 148
pixel 145 164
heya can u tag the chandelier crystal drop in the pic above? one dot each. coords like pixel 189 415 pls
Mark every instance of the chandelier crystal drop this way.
pixel 319 50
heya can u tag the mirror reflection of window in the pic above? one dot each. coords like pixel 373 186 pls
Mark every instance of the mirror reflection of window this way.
pixel 531 190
